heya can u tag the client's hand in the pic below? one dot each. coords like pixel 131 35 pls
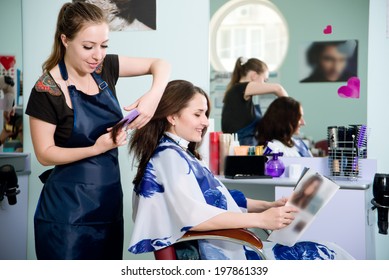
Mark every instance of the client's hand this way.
pixel 277 217
pixel 105 142
pixel 280 202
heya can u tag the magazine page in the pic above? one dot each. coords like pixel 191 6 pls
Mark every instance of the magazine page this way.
pixel 312 193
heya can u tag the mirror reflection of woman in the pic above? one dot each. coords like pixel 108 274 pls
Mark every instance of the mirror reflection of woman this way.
pixel 239 115
pixel 280 126
pixel 72 108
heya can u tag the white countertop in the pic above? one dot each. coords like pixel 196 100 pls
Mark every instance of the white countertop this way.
pixel 287 182
pixel 20 161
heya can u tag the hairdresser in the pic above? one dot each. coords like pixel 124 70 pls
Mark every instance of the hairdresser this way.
pixel 72 108
pixel 239 114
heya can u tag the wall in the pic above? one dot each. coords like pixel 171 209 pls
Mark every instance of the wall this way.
pixel 185 45
pixel 306 20
pixel 378 97
pixel 11 29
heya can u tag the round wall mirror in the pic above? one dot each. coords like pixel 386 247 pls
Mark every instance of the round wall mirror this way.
pixel 248 28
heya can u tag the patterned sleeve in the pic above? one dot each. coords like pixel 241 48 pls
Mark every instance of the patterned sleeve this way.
pixel 45 99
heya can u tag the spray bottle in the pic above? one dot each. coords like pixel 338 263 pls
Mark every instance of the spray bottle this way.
pixel 274 167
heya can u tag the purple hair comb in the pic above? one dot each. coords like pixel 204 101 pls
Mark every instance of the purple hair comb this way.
pixel 132 115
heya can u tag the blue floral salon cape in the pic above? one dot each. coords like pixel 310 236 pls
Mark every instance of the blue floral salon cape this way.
pixel 178 192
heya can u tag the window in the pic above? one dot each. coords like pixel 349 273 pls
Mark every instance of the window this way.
pixel 248 28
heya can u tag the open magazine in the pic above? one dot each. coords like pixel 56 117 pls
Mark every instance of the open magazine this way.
pixel 312 193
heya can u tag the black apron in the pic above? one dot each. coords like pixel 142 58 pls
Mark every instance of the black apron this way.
pixel 246 135
pixel 80 210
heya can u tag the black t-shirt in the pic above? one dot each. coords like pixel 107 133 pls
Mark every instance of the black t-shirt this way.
pixel 48 103
pixel 237 112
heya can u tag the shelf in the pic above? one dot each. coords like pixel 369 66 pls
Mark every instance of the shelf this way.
pixel 287 182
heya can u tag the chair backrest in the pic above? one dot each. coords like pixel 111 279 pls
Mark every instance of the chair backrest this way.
pixel 167 253
pixel 240 236
pixel 322 145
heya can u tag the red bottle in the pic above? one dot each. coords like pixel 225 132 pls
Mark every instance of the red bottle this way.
pixel 214 152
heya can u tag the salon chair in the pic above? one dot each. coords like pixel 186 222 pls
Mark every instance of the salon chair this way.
pixel 323 146
pixel 238 236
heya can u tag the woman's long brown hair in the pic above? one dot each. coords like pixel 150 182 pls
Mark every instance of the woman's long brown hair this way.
pixel 144 141
pixel 279 122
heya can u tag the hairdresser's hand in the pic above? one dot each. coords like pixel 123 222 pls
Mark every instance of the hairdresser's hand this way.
pixel 105 142
pixel 277 217
pixel 146 106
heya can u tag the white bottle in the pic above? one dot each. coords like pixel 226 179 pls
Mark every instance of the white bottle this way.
pixel 234 143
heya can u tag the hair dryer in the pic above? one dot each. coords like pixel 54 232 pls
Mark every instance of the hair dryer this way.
pixel 381 200
pixel 8 183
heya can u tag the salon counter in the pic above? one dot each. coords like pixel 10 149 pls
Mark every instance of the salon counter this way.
pixel 346 220
pixel 344 184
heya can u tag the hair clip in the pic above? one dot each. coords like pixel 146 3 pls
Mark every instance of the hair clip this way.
pixel 243 60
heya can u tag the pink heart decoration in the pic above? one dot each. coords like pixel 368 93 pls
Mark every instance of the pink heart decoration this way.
pixel 351 90
pixel 328 29
pixel 7 61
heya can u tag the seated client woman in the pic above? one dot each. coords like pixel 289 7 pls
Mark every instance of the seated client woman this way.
pixel 279 126
pixel 175 192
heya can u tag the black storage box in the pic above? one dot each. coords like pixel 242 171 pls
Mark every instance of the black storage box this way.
pixel 239 167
